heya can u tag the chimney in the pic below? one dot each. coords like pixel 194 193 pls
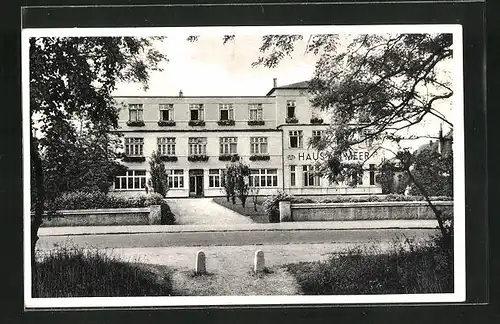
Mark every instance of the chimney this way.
pixel 275 82
pixel 181 94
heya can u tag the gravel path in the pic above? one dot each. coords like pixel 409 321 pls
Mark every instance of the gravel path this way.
pixel 203 211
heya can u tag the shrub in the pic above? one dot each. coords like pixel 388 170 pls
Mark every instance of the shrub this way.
pixel 196 123
pixel 256 122
pixel 226 123
pixel 406 269
pixel 259 157
pixel 166 123
pixel 271 206
pixel 79 273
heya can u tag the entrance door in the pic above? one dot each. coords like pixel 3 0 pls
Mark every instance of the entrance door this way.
pixel 196 183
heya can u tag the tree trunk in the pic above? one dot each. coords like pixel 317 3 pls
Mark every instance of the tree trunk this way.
pixel 437 212
pixel 37 220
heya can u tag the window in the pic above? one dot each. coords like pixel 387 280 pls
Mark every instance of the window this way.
pixel 215 178
pixel 258 145
pixel 135 112
pixel 166 112
pixel 175 178
pixel 292 176
pixel 197 146
pixel 166 145
pixel 131 180
pixel 196 111
pixel 311 176
pixel 290 108
pixel 255 111
pixel 228 145
pixel 295 139
pixel 226 112
pixel 316 135
pixel 263 178
pixel 134 146
pixel 372 174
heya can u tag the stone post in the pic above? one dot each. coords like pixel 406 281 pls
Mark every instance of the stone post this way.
pixel 154 217
pixel 200 266
pixel 285 211
pixel 259 263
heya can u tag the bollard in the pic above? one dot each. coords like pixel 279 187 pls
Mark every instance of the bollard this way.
pixel 200 267
pixel 259 262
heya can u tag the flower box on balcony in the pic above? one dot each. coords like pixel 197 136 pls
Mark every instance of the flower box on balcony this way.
pixel 166 123
pixel 134 158
pixel 197 158
pixel 260 157
pixel 255 122
pixel 135 123
pixel 168 158
pixel 196 123
pixel 225 123
pixel 316 120
pixel 229 157
pixel 291 120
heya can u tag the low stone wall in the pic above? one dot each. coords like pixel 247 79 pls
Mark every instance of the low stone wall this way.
pixel 114 216
pixel 362 211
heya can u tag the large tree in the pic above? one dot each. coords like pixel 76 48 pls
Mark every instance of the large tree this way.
pixel 377 88
pixel 71 84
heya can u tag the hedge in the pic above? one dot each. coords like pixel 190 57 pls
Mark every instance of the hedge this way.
pixel 368 198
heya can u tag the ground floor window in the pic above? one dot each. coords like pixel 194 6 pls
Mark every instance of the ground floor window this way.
pixel 263 178
pixel 311 176
pixel 131 180
pixel 292 175
pixel 175 178
pixel 215 178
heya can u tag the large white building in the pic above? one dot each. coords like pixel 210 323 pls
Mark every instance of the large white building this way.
pixel 199 136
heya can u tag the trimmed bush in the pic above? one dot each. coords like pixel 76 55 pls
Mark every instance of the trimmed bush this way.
pixel 367 198
pixel 271 206
pixel 79 273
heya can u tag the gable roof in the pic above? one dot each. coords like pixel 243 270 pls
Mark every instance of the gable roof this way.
pixel 297 85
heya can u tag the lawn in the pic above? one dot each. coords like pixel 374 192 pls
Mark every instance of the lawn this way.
pixel 405 269
pixel 258 216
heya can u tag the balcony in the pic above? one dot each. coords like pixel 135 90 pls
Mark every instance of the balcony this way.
pixel 291 120
pixel 196 123
pixel 168 158
pixel 316 120
pixel 198 158
pixel 228 122
pixel 229 157
pixel 260 157
pixel 166 123
pixel 256 122
pixel 134 158
pixel 135 123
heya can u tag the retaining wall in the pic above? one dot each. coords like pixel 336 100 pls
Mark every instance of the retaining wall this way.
pixel 113 216
pixel 362 211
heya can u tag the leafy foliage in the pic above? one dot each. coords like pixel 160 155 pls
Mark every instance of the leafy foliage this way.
pixel 271 206
pixel 98 200
pixel 236 182
pixel 158 180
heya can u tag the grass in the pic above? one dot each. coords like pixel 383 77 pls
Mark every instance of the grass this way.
pixel 408 268
pixel 73 272
pixel 258 216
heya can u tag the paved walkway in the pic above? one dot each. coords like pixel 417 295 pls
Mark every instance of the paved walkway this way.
pixel 203 211
pixel 291 226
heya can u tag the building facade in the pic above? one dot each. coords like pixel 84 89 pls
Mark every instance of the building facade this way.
pixel 199 136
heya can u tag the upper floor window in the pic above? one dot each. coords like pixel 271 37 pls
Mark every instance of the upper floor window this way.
pixel 317 134
pixel 166 145
pixel 226 112
pixel 258 145
pixel 228 145
pixel 196 111
pixel 134 146
pixel 166 112
pixel 255 111
pixel 290 108
pixel 135 112
pixel 295 139
pixel 197 145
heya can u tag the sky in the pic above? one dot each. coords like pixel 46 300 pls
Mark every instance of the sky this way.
pixel 209 67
